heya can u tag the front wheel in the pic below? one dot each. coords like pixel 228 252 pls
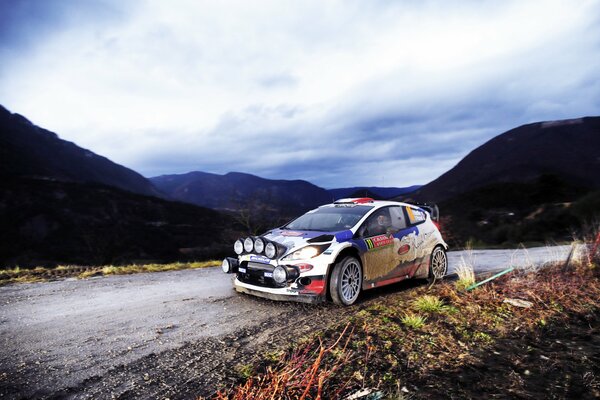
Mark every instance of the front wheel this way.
pixel 438 264
pixel 346 281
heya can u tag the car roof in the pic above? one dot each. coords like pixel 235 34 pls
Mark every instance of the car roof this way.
pixel 366 201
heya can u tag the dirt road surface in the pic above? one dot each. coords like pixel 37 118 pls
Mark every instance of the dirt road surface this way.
pixel 162 335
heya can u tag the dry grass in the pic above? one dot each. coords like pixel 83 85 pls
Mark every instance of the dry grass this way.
pixel 301 375
pixel 466 275
pixel 41 274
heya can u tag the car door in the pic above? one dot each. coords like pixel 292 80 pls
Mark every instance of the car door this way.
pixel 390 253
pixel 376 237
pixel 406 244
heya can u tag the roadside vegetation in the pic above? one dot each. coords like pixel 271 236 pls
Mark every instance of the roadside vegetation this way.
pixel 527 334
pixel 42 274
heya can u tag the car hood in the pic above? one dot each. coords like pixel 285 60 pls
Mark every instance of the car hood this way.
pixel 293 239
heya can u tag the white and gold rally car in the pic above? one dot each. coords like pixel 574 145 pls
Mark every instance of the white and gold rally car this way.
pixel 338 250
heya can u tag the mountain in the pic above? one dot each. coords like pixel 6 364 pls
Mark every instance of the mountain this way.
pixel 61 204
pixel 537 183
pixel 27 150
pixel 568 149
pixel 548 209
pixel 238 191
pixel 378 192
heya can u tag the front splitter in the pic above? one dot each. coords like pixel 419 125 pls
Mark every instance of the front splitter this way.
pixel 302 298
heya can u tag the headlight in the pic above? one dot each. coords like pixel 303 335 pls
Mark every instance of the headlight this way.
pixel 279 274
pixel 270 250
pixel 248 245
pixel 259 245
pixel 230 265
pixel 238 247
pixel 306 253
pixel 225 266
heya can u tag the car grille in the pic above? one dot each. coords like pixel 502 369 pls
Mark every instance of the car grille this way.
pixel 255 275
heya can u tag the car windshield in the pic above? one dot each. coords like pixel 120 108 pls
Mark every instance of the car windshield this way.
pixel 329 218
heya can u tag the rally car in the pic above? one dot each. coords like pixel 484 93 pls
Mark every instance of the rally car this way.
pixel 338 250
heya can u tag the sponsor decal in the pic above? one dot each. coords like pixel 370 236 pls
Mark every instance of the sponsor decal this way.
pixel 260 259
pixel 405 248
pixel 268 274
pixel 291 233
pixel 242 270
pixel 411 215
pixel 379 241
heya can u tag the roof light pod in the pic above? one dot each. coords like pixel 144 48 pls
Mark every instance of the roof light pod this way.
pixel 360 200
pixel 363 200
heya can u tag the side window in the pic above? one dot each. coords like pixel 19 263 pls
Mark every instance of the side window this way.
pixel 398 218
pixel 379 223
pixel 415 216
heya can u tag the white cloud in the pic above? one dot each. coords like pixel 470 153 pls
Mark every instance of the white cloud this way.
pixel 294 89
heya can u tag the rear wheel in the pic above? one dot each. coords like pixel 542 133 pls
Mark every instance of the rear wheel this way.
pixel 438 264
pixel 346 281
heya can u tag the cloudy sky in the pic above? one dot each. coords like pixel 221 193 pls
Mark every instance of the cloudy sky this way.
pixel 340 93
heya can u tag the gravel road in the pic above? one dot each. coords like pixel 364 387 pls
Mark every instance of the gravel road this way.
pixel 160 335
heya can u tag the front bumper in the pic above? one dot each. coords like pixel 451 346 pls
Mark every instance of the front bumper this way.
pixel 279 294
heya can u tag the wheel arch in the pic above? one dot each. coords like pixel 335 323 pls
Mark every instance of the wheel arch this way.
pixel 444 248
pixel 348 251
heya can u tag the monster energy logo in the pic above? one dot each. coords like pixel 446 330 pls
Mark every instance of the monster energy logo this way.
pixel 378 241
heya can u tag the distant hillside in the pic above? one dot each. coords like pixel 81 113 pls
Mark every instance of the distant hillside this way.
pixel 46 222
pixel 238 191
pixel 62 204
pixel 568 149
pixel 379 192
pixel 545 210
pixel 27 150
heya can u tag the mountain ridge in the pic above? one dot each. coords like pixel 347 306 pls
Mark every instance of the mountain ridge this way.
pixel 238 190
pixel 28 150
pixel 566 148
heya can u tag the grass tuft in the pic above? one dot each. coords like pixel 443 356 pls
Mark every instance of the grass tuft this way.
pixel 429 304
pixel 466 276
pixel 413 321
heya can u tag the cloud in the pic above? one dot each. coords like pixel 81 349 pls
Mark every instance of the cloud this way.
pixel 338 93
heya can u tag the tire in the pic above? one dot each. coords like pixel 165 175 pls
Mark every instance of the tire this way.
pixel 438 264
pixel 345 283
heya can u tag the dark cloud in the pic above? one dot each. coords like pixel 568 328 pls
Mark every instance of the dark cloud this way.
pixel 25 23
pixel 341 94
